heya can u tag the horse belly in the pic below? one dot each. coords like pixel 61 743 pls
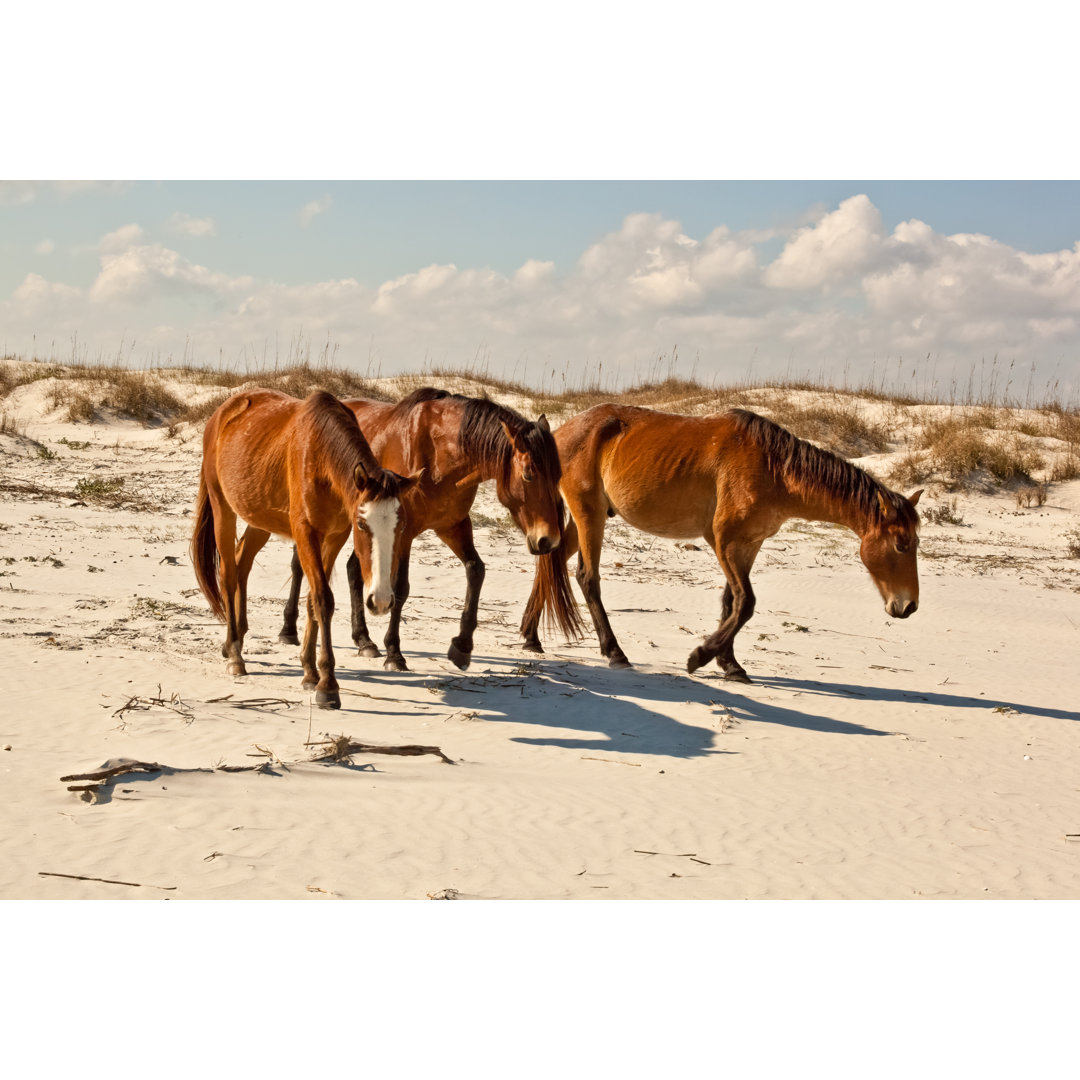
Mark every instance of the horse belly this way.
pixel 671 511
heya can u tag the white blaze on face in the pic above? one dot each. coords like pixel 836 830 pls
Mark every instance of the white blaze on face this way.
pixel 381 519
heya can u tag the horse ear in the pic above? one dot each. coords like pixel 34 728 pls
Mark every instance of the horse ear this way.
pixel 542 423
pixel 913 499
pixel 409 482
pixel 360 476
pixel 888 511
pixel 515 442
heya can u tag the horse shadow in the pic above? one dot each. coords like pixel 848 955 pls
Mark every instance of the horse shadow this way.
pixel 932 697
pixel 598 708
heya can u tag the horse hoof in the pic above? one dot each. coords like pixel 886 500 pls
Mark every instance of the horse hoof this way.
pixel 236 668
pixel 697 658
pixel 288 639
pixel 619 661
pixel 395 663
pixel 458 658
pixel 309 684
pixel 533 646
pixel 328 699
pixel 738 675
pixel 370 651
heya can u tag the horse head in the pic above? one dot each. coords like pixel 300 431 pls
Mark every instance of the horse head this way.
pixel 378 532
pixel 888 551
pixel 530 487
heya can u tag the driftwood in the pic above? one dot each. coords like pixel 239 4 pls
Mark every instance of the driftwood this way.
pixel 340 748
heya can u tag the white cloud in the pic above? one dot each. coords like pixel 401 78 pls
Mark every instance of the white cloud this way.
pixel 185 225
pixel 842 295
pixel 311 210
pixel 842 244
pixel 45 247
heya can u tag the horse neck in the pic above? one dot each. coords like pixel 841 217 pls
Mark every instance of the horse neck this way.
pixel 820 505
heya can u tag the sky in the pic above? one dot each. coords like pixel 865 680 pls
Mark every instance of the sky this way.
pixel 556 282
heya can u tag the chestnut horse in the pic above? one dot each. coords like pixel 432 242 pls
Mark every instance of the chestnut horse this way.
pixel 732 478
pixel 301 470
pixel 454 443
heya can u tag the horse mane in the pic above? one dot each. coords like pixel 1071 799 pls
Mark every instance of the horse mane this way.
pixel 342 444
pixel 482 434
pixel 820 472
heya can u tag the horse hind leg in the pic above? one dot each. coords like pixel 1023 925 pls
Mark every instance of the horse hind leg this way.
pixel 459 539
pixel 361 638
pixel 288 634
pixel 225 538
pixel 591 539
pixel 251 543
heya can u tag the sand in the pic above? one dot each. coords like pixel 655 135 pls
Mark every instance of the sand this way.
pixel 935 757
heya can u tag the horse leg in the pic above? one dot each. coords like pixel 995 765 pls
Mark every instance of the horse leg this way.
pixel 459 539
pixel 392 641
pixel 225 538
pixel 320 613
pixel 591 539
pixel 361 638
pixel 736 560
pixel 530 624
pixel 251 543
pixel 288 634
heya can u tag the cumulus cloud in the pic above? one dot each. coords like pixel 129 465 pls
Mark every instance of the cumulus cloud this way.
pixel 185 225
pixel 842 294
pixel 310 211
pixel 45 247
pixel 841 245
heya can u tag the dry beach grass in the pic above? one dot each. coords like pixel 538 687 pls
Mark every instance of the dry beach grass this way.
pixel 871 758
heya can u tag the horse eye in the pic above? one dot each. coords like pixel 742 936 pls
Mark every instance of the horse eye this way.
pixel 527 476
pixel 901 548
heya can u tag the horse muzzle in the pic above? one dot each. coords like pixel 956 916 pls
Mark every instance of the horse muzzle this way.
pixel 901 609
pixel 379 605
pixel 541 545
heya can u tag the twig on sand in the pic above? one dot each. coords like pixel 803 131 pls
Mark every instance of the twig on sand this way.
pixel 612 761
pixel 341 748
pixel 108 881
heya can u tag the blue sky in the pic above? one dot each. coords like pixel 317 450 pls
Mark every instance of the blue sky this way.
pixel 546 279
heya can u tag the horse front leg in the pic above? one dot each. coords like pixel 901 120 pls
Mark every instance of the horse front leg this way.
pixel 392 641
pixel 288 635
pixel 361 637
pixel 736 609
pixel 459 539
pixel 313 558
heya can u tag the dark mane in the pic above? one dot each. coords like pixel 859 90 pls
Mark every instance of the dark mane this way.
pixel 483 437
pixel 342 444
pixel 816 470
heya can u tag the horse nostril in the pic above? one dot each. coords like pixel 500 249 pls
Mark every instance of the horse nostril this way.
pixel 543 545
pixel 909 609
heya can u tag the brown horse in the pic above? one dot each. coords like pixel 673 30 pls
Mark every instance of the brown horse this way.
pixel 455 443
pixel 732 478
pixel 301 470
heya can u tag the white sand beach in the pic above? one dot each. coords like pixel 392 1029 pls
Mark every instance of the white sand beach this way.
pixel 935 757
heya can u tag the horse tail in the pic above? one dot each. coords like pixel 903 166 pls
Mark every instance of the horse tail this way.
pixel 204 552
pixel 551 596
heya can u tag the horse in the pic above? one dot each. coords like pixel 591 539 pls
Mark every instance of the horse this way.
pixel 732 478
pixel 453 443
pixel 300 470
